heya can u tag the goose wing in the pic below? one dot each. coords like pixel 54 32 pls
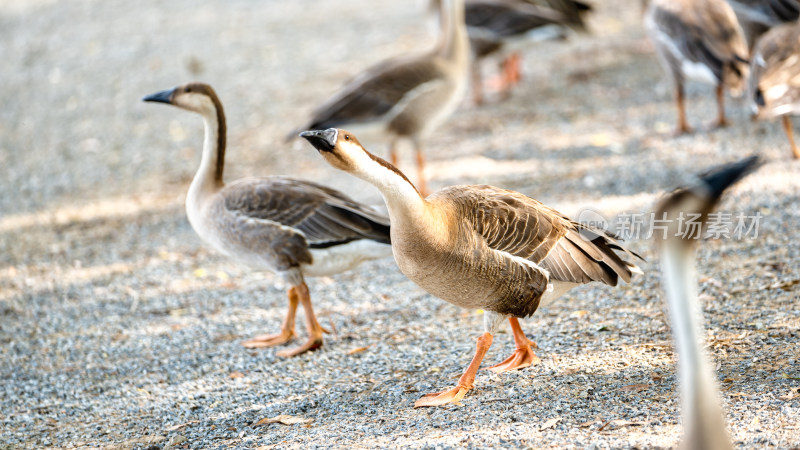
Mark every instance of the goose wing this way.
pixel 376 91
pixel 322 216
pixel 513 223
pixel 503 18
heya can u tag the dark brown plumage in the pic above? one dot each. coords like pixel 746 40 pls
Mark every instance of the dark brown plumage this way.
pixel 700 40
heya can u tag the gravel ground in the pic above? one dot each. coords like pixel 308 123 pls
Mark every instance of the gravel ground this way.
pixel 119 330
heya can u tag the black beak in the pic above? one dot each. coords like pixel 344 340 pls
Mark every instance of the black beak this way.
pixel 160 97
pixel 322 140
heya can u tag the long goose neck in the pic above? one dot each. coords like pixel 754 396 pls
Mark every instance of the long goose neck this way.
pixel 702 413
pixel 406 206
pixel 209 175
pixel 453 42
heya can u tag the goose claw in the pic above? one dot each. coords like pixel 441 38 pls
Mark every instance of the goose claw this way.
pixel 521 358
pixel 442 398
pixel 269 340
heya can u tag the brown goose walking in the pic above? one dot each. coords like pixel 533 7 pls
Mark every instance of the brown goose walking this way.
pixel 406 97
pixel 480 247
pixel 699 40
pixel 291 227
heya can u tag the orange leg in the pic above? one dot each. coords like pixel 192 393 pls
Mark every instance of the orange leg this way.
pixel 393 153
pixel 683 126
pixel 513 69
pixel 315 330
pixel 287 329
pixel 297 294
pixel 421 184
pixel 721 120
pixel 787 126
pixel 523 356
pixel 477 83
pixel 464 383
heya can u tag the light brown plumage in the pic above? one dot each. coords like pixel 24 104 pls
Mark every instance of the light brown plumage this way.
pixel 481 247
pixel 775 77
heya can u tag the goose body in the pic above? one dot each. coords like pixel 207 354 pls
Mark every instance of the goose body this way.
pixel 481 247
pixel 291 227
pixel 703 419
pixel 775 77
pixel 406 97
pixel 699 40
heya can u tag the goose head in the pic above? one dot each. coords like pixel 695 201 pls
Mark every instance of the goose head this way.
pixel 196 97
pixel 341 149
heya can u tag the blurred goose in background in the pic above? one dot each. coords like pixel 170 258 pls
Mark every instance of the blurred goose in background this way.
pixel 406 97
pixel 699 40
pixel 703 419
pixel 758 16
pixel 481 247
pixel 496 26
pixel 775 77
pixel 574 11
pixel 291 227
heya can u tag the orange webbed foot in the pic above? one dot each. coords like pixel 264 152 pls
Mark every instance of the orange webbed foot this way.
pixel 442 398
pixel 269 340
pixel 521 358
pixel 312 343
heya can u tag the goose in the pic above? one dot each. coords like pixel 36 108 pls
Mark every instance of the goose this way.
pixel 496 25
pixel 700 40
pixel 758 16
pixel 480 247
pixel 703 420
pixel 405 97
pixel 291 227
pixel 775 77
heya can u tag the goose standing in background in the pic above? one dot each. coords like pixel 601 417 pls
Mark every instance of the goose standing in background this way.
pixel 700 40
pixel 291 227
pixel 406 97
pixel 481 247
pixel 775 77
pixel 703 420
pixel 501 25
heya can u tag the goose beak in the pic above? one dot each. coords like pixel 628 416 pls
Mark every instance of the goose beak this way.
pixel 322 140
pixel 160 97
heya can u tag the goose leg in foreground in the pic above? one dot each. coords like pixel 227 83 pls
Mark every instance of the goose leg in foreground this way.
pixel 287 328
pixel 721 120
pixel 490 322
pixel 297 294
pixel 523 356
pixel 464 383
pixel 787 126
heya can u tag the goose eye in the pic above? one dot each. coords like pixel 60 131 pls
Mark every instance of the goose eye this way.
pixel 346 137
pixel 187 89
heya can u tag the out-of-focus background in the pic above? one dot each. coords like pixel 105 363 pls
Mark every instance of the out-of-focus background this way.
pixel 118 328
